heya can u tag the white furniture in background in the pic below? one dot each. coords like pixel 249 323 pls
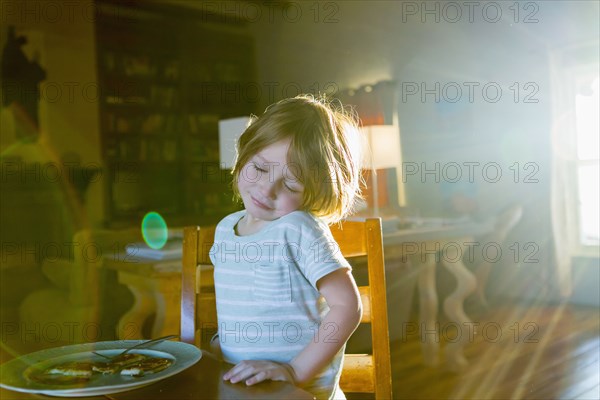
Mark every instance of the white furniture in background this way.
pixel 420 246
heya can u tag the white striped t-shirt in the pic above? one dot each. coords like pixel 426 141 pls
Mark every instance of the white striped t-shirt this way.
pixel 268 305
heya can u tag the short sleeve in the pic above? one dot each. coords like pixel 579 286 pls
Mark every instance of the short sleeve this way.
pixel 313 248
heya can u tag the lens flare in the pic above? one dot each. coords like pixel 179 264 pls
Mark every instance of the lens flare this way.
pixel 154 230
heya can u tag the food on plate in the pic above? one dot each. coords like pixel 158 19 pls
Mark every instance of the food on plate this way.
pixel 80 369
pixel 67 373
pixel 76 372
pixel 56 379
pixel 116 364
pixel 147 366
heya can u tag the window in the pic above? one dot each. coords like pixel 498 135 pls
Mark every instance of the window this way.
pixel 587 168
pixel 575 148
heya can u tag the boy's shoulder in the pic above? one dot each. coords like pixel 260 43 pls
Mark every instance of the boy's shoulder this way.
pixel 300 222
pixel 230 220
pixel 303 220
pixel 300 216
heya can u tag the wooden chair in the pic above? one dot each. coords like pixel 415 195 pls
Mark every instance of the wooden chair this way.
pixel 362 373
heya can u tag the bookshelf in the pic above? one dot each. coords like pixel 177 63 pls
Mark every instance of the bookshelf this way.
pixel 166 79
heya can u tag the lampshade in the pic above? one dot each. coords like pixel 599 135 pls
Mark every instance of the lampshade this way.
pixel 382 146
pixel 382 150
pixel 229 132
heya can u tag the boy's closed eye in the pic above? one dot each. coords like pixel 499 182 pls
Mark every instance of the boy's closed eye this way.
pixel 294 188
pixel 259 168
pixel 292 184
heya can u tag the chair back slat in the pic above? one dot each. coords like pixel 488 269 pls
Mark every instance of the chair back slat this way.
pixel 365 297
pixel 188 284
pixel 358 375
pixel 350 237
pixel 206 238
pixel 359 238
pixel 205 279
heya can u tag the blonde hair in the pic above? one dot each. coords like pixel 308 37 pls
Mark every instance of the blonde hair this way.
pixel 325 151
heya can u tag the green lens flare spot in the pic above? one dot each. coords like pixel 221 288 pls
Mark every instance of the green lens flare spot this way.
pixel 154 230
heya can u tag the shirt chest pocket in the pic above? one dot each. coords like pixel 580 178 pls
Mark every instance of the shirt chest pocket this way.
pixel 272 283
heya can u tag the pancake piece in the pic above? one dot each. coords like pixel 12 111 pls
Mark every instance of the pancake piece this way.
pixel 117 364
pixel 66 373
pixel 147 366
pixel 79 369
pixel 72 372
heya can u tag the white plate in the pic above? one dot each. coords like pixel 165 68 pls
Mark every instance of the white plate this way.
pixel 15 374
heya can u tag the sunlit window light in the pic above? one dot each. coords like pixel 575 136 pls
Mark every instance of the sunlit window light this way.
pixel 587 125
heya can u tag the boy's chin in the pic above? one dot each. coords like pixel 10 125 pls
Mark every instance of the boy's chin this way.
pixel 260 214
pixel 263 215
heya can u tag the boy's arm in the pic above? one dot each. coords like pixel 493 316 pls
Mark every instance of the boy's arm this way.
pixel 340 291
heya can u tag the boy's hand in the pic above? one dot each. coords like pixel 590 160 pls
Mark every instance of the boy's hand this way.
pixel 255 371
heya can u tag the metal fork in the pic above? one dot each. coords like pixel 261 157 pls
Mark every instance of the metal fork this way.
pixel 141 345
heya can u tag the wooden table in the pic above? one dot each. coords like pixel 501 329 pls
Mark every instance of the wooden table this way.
pixel 6 394
pixel 203 380
pixel 425 246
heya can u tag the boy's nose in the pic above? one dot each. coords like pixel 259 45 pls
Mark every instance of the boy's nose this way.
pixel 268 189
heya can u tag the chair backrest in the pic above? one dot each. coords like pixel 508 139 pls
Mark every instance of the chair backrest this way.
pixel 198 303
pixel 362 373
pixel 368 372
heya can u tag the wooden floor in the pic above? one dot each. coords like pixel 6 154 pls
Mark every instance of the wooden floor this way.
pixel 518 352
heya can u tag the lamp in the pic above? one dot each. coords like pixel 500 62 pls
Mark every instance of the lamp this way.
pixel 229 132
pixel 382 150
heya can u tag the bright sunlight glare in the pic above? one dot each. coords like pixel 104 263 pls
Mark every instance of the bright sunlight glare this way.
pixel 587 124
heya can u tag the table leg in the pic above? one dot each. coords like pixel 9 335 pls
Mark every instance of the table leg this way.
pixel 428 305
pixel 168 307
pixel 131 323
pixel 482 274
pixel 453 308
pixel 152 295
